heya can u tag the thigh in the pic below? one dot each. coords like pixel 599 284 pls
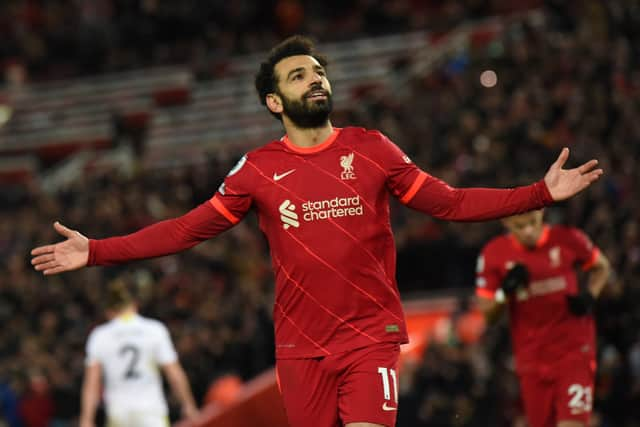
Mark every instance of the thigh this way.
pixel 368 388
pixel 537 396
pixel 309 392
pixel 574 390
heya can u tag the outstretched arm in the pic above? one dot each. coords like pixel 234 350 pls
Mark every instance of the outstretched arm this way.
pixel 161 238
pixel 438 199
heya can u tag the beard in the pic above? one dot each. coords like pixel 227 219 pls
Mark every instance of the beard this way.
pixel 305 113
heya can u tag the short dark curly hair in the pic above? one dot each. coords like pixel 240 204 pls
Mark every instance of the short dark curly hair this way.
pixel 266 80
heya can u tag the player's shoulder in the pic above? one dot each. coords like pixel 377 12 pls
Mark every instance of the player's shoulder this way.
pixel 156 328
pixel 362 135
pixel 151 323
pixel 560 233
pixel 100 331
pixel 267 150
pixel 497 246
pixel 563 230
pixel 498 242
pixel 259 156
pixel 568 235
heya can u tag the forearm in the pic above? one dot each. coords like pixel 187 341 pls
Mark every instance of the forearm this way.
pixel 90 399
pixel 180 386
pixel 159 239
pixel 89 408
pixel 495 313
pixel 478 204
pixel 598 277
pixel 491 308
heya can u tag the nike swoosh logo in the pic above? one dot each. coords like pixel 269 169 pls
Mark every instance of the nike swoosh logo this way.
pixel 277 177
pixel 385 407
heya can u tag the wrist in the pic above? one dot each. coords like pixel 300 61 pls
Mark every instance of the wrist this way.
pixel 545 196
pixel 91 258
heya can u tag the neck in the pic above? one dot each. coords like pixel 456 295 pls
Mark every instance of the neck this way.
pixel 307 137
pixel 127 312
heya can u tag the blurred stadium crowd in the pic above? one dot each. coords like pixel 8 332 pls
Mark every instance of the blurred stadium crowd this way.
pixel 68 38
pixel 573 79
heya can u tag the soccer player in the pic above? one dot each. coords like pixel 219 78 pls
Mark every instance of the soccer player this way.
pixel 127 352
pixel 322 198
pixel 533 270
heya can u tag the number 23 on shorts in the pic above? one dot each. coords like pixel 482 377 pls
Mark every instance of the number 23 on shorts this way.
pixel 580 399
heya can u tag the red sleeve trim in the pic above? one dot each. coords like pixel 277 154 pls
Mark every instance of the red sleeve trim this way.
pixel 217 204
pixel 547 198
pixel 485 293
pixel 595 253
pixel 414 188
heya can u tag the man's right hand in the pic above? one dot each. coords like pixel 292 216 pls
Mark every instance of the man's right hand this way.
pixel 67 255
pixel 517 277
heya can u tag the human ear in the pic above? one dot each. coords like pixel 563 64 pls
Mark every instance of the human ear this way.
pixel 274 103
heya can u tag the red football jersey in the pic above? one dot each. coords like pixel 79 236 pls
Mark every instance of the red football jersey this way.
pixel 323 305
pixel 542 328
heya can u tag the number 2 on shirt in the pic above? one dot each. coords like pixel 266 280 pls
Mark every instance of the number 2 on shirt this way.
pixel 134 356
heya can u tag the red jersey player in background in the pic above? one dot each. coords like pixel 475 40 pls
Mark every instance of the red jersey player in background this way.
pixel 533 269
pixel 322 199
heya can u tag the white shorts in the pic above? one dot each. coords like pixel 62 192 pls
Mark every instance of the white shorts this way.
pixel 137 418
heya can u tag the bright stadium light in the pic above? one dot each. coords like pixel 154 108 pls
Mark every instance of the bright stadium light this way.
pixel 488 78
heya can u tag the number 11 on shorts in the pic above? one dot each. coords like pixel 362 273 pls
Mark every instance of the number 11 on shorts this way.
pixel 384 373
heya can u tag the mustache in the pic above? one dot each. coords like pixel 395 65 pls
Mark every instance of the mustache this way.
pixel 317 88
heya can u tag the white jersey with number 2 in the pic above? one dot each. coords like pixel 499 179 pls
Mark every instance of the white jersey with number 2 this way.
pixel 130 350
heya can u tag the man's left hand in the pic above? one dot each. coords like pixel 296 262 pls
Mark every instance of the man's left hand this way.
pixel 565 183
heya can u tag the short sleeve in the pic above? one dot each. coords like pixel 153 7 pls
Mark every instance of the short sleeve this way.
pixel 92 349
pixel 487 275
pixel 404 178
pixel 585 251
pixel 165 352
pixel 233 198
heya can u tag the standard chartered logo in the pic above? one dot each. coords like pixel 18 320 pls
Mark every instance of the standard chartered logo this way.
pixel 337 207
pixel 288 216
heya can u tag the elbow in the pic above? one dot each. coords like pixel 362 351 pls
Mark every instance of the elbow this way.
pixel 603 266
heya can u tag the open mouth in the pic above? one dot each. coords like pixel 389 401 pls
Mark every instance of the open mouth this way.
pixel 317 95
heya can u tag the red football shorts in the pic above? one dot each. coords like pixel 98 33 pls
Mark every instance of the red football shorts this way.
pixel 356 386
pixel 561 393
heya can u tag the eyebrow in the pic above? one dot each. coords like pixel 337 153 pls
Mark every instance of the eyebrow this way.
pixel 295 70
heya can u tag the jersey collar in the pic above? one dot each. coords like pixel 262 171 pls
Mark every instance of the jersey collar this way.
pixel 127 317
pixel 542 240
pixel 316 148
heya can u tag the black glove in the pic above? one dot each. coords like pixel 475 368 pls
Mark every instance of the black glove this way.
pixel 517 277
pixel 581 303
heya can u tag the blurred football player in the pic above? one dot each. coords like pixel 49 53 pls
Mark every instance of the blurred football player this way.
pixel 532 270
pixel 128 352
